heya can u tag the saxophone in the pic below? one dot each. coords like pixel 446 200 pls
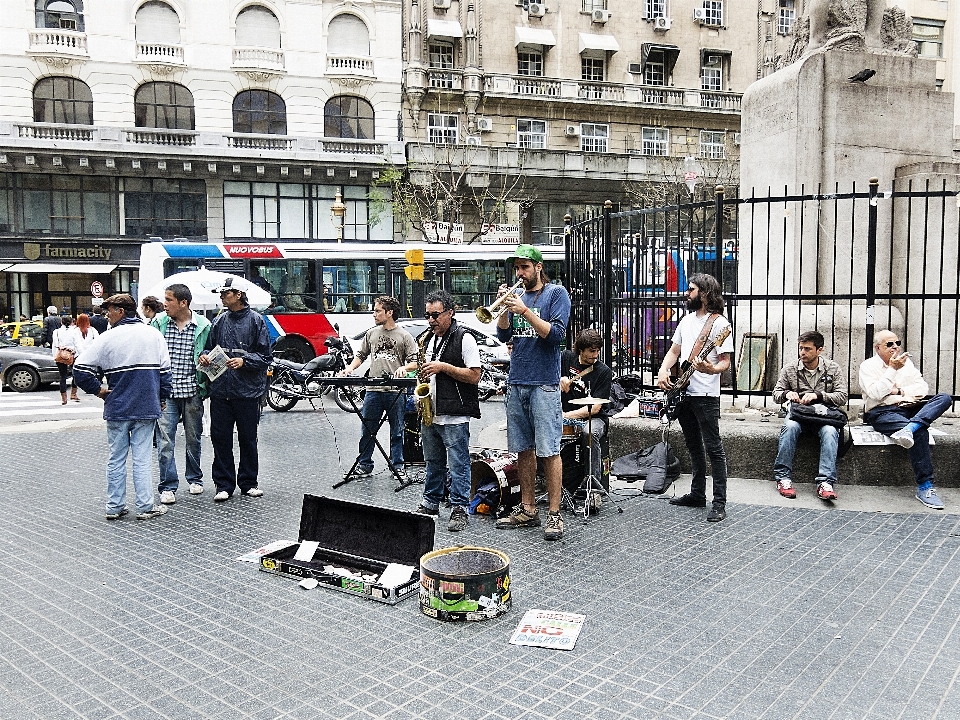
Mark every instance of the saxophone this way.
pixel 422 391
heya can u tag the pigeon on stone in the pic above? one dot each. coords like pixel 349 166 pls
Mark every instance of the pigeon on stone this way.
pixel 862 76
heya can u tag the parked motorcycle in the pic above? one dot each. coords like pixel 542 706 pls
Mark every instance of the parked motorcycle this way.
pixel 290 382
pixel 493 380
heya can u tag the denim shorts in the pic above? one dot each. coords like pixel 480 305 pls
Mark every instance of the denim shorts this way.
pixel 534 419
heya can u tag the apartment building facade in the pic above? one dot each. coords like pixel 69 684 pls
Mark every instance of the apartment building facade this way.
pixel 128 121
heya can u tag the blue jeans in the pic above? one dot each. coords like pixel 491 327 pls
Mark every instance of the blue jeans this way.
pixel 375 404
pixel 225 413
pixel 190 412
pixel 446 447
pixel 887 419
pixel 787 447
pixel 135 438
pixel 699 418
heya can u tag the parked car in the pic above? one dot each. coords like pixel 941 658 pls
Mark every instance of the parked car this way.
pixel 22 333
pixel 24 368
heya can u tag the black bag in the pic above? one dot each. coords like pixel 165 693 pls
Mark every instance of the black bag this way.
pixel 619 399
pixel 817 414
pixel 657 466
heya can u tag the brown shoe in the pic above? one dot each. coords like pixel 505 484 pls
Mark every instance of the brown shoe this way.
pixel 519 517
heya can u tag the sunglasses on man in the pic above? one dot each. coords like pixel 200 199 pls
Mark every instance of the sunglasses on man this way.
pixel 893 343
pixel 433 315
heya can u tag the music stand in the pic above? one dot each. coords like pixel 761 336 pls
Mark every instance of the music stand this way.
pixel 590 484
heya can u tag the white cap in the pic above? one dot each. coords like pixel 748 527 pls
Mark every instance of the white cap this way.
pixel 233 283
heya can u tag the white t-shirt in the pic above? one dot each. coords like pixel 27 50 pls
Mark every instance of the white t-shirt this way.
pixel 686 336
pixel 471 359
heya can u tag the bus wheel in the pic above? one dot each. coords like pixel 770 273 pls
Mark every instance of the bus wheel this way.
pixel 294 349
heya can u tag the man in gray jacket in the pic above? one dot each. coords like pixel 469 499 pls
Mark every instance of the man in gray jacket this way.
pixel 812 379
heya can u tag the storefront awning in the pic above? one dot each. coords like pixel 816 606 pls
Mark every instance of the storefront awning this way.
pixel 4 267
pixel 448 29
pixel 533 36
pixel 604 43
pixel 670 55
pixel 86 269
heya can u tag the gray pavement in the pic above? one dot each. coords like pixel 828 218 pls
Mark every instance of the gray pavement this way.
pixel 781 611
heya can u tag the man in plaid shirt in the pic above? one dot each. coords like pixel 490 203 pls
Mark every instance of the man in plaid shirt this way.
pixel 186 334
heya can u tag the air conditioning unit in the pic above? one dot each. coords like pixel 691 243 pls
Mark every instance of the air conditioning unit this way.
pixel 441 4
pixel 474 140
pixel 699 14
pixel 572 131
pixel 600 16
pixel 635 68
pixel 484 124
pixel 557 239
pixel 662 23
pixel 736 138
pixel 713 59
pixel 536 9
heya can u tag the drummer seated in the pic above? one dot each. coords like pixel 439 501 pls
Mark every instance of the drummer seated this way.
pixel 582 374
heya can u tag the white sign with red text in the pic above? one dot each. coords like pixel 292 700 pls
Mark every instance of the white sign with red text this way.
pixel 500 234
pixel 443 232
pixel 549 629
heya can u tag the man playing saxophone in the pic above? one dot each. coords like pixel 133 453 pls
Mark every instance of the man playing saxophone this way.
pixel 449 364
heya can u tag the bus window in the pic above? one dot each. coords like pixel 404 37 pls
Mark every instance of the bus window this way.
pixel 475 282
pixel 293 284
pixel 353 284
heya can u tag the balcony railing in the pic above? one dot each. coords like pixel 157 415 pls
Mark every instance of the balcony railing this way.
pixel 445 79
pixel 60 42
pixel 144 142
pixel 258 58
pixel 158 53
pixel 43 131
pixel 350 65
pixel 150 136
pixel 561 90
pixel 250 141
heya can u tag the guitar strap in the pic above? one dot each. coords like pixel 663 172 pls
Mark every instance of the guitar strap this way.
pixel 704 336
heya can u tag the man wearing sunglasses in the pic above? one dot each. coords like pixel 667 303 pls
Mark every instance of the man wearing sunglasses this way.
pixel 451 364
pixel 893 402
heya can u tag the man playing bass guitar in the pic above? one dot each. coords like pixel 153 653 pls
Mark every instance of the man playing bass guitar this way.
pixel 698 411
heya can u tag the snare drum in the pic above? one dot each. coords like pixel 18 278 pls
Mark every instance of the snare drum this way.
pixel 571 431
pixel 501 468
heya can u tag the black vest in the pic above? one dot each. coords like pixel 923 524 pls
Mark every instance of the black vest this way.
pixel 454 397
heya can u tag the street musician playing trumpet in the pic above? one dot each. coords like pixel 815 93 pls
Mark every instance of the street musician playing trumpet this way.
pixel 536 321
pixel 448 368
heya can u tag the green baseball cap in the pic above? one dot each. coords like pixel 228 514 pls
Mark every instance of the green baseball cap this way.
pixel 527 252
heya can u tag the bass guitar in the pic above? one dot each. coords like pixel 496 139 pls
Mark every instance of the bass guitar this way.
pixel 674 396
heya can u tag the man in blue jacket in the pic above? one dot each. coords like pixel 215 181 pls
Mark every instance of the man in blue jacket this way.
pixel 235 395
pixel 186 334
pixel 133 358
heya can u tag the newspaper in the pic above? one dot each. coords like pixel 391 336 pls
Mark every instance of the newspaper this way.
pixel 218 363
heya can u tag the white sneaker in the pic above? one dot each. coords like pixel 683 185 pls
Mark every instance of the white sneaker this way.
pixel 221 496
pixel 254 492
pixel 903 438
pixel 196 489
pixel 167 497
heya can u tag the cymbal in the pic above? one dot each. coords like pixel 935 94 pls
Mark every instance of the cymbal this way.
pixel 589 401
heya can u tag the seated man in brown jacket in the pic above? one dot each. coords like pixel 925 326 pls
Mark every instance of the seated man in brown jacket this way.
pixel 812 379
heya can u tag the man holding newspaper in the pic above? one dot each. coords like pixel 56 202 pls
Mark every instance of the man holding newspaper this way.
pixel 236 358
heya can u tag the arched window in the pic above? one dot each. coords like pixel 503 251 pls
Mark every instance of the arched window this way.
pixel 163 105
pixel 62 100
pixel 61 14
pixel 158 23
pixel 258 27
pixel 347 35
pixel 259 111
pixel 346 116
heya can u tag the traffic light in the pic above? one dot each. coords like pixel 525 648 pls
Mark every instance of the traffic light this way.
pixel 414 268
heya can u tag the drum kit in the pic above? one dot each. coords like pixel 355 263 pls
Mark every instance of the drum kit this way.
pixel 593 491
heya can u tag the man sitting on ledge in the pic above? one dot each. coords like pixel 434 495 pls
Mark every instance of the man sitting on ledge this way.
pixel 893 392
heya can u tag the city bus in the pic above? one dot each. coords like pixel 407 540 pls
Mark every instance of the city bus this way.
pixel 315 286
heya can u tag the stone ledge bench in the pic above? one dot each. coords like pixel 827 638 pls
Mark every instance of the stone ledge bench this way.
pixel 751 447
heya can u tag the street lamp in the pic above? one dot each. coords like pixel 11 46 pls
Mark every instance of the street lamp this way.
pixel 337 211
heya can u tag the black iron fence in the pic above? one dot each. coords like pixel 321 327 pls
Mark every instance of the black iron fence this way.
pixel 846 263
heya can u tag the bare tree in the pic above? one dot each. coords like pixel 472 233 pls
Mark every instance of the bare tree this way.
pixel 447 183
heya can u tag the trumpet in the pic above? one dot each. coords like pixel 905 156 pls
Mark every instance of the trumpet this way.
pixel 486 314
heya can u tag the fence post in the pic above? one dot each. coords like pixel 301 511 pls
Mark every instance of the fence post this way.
pixel 606 300
pixel 718 233
pixel 871 267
